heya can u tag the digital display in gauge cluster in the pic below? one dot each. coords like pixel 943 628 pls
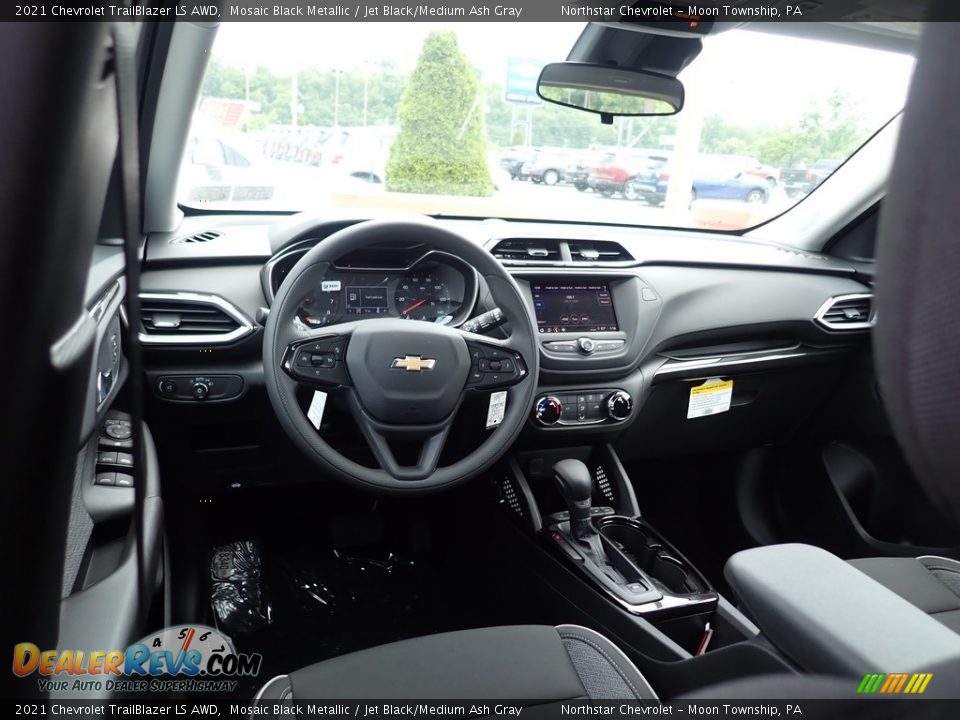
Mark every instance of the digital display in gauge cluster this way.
pixel 430 291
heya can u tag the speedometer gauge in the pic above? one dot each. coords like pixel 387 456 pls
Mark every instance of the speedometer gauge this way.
pixel 423 295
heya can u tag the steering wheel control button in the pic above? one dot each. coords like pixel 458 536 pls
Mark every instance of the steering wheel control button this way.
pixel 494 367
pixel 320 361
pixel 325 360
pixel 118 432
pixel 586 345
pixel 619 405
pixel 548 410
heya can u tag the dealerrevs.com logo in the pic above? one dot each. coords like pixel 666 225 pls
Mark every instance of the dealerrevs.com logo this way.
pixel 183 658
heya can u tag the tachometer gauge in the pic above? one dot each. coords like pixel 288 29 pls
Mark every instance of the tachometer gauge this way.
pixel 320 307
pixel 423 295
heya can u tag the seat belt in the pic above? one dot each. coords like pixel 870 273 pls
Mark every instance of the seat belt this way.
pixel 128 154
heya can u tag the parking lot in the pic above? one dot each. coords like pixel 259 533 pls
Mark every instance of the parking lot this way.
pixel 298 186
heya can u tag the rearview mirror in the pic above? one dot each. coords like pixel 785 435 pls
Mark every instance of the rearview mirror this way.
pixel 610 91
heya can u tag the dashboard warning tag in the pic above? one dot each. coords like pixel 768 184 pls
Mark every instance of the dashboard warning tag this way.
pixel 315 412
pixel 711 398
pixel 498 404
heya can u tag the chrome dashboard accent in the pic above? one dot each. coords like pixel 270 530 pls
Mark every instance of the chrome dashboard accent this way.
pixel 244 327
pixel 722 362
pixel 870 322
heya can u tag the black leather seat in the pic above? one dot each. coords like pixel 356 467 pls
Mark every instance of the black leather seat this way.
pixel 533 663
pixel 931 583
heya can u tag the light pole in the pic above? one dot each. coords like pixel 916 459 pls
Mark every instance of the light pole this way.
pixel 294 97
pixel 336 98
pixel 366 81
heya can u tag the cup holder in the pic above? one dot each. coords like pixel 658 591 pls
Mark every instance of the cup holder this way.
pixel 651 554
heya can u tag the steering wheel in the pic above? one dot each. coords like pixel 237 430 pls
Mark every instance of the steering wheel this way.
pixel 402 380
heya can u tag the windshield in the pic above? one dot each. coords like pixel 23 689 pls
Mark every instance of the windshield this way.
pixel 443 119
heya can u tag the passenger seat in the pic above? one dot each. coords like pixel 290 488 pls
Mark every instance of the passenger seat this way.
pixel 931 583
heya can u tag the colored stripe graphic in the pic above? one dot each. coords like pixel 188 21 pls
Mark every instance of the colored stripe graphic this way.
pixel 894 683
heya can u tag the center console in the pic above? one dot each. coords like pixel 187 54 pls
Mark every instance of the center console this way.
pixel 601 561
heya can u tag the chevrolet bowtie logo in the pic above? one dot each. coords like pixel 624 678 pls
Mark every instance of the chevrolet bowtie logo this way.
pixel 413 363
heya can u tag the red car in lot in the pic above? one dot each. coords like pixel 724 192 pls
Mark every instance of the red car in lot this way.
pixel 616 172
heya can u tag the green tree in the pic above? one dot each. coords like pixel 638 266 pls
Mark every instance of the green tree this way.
pixel 441 147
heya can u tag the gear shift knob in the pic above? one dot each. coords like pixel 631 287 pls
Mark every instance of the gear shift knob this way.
pixel 576 486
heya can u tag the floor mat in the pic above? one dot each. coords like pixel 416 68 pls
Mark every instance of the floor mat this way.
pixel 300 601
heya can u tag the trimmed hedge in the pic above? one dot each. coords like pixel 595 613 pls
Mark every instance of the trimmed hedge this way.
pixel 441 147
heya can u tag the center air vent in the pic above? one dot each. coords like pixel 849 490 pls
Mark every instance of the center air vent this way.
pixel 592 252
pixel 201 237
pixel 190 319
pixel 528 250
pixel 533 251
pixel 847 312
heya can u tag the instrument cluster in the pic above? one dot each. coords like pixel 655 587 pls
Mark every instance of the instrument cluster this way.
pixel 435 289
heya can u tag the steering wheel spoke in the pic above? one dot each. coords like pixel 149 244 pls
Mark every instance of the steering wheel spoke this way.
pixel 493 364
pixel 320 360
pixel 431 438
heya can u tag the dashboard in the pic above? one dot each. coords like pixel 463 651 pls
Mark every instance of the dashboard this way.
pixel 621 341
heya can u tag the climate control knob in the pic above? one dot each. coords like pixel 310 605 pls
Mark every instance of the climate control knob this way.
pixel 619 405
pixel 548 409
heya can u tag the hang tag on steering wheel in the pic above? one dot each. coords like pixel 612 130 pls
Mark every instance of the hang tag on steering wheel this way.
pixel 496 409
pixel 317 405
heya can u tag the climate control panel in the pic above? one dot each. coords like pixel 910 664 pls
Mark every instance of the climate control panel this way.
pixel 583 407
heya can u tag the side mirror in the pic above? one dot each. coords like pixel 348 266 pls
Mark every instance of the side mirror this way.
pixel 610 91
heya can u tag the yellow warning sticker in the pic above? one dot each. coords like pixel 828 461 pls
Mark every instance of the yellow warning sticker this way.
pixel 711 398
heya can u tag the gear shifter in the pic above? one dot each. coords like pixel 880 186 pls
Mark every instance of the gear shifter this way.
pixel 576 486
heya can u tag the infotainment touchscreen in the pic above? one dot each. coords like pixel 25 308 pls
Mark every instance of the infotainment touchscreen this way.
pixel 571 306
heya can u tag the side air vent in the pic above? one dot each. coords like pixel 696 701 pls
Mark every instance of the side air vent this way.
pixel 202 237
pixel 528 250
pixel 847 312
pixel 190 319
pixel 602 252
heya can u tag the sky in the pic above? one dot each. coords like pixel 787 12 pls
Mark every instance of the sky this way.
pixel 750 78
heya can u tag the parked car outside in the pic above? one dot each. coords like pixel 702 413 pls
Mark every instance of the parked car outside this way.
pixel 359 152
pixel 800 181
pixel 578 170
pixel 513 158
pixel 716 177
pixel 626 173
pixel 547 166
pixel 217 169
pixel 310 148
pixel 750 166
